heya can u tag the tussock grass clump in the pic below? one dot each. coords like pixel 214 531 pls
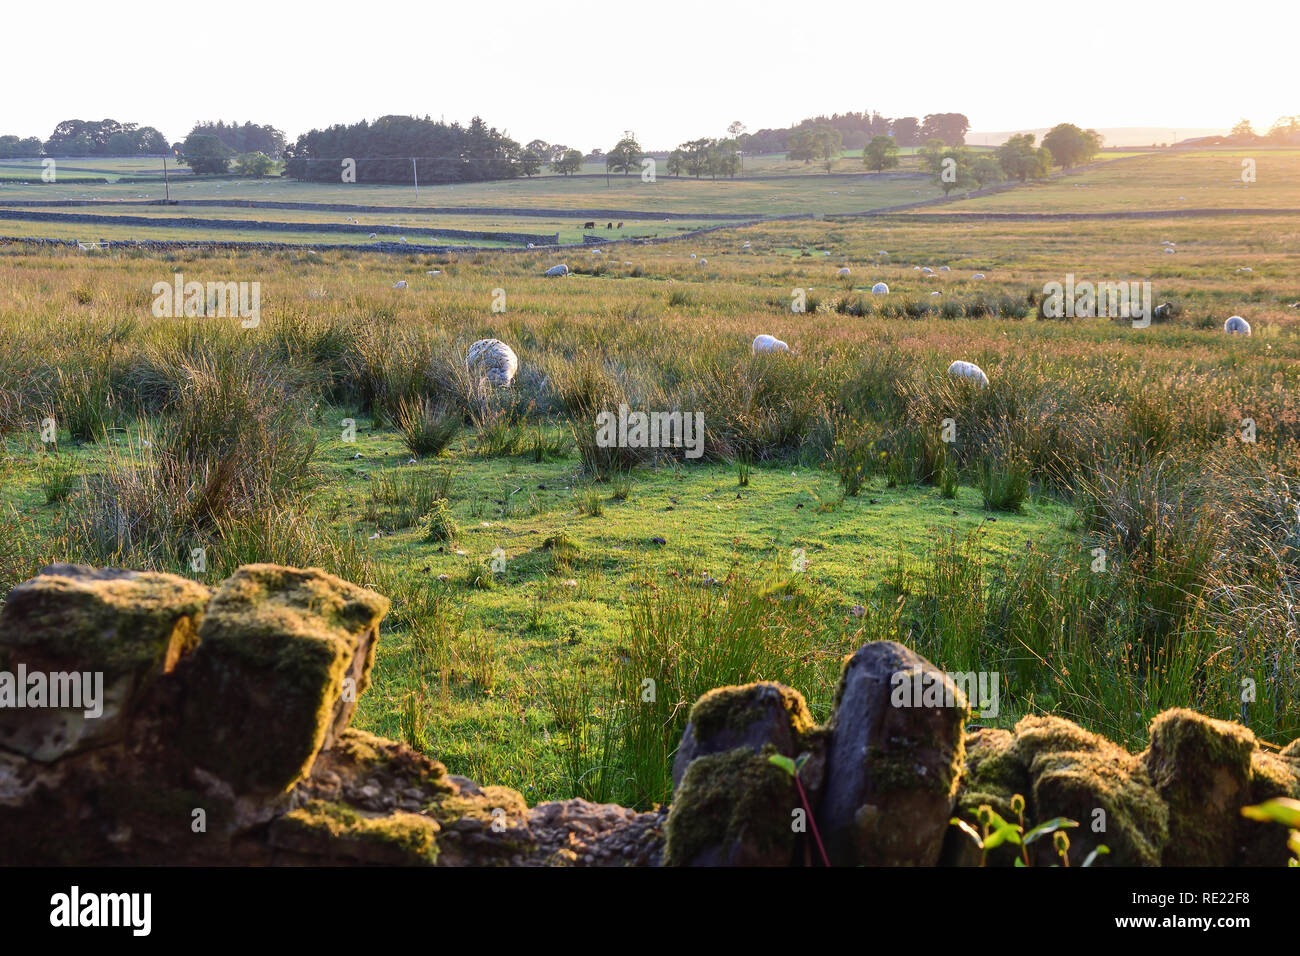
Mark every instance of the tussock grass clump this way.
pixel 427 427
pixel 439 523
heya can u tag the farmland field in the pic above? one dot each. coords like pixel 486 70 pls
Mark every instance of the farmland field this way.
pixel 530 568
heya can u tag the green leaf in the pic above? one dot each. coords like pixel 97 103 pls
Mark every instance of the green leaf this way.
pixel 785 763
pixel 1007 833
pixel 1102 850
pixel 1020 863
pixel 1282 810
pixel 969 830
pixel 1049 826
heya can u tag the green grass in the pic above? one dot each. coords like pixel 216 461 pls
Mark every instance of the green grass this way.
pixel 524 625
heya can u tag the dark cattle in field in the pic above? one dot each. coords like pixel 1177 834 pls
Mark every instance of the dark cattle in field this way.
pixel 620 225
pixel 609 225
pixel 589 225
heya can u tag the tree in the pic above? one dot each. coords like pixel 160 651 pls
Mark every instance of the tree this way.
pixel 881 153
pixel 1243 130
pixel 676 162
pixel 822 142
pixel 985 170
pixel 568 164
pixel 950 166
pixel 624 157
pixel 949 127
pixel 530 162
pixel 1285 129
pixel 1021 161
pixel 1070 145
pixel 204 153
pixel 907 131
pixel 256 165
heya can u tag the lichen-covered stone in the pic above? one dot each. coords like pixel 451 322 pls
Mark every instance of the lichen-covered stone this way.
pixel 894 759
pixel 751 716
pixel 283 655
pixel 1201 768
pixel 732 809
pixel 112 631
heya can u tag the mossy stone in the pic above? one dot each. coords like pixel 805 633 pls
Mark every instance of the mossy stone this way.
pixel 283 655
pixel 732 809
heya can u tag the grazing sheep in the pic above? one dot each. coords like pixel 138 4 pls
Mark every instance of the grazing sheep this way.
pixel 927 271
pixel 560 270
pixel 978 275
pixel 493 361
pixel 916 268
pixel 969 371
pixel 400 285
pixel 843 272
pixel 881 252
pixel 1169 250
pixel 1163 311
pixel 692 255
pixel 745 246
pixel 373 236
pixel 530 245
pixel 704 262
pixel 944 269
pixel 880 289
pixel 1236 325
pixel 434 272
pixel 1166 242
pixel 769 343
pixel 1245 269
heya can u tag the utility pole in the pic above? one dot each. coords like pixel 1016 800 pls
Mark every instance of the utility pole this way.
pixel 167 186
pixel 415 175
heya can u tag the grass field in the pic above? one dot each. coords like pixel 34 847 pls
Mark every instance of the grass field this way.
pixel 1192 179
pixel 826 509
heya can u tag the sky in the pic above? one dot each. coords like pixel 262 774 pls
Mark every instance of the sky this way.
pixel 581 74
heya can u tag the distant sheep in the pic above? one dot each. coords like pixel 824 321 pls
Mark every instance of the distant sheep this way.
pixel 400 285
pixel 944 269
pixel 880 289
pixel 843 272
pixel 493 361
pixel 926 270
pixel 1236 325
pixel 969 371
pixel 560 270
pixel 1169 250
pixel 978 275
pixel 769 343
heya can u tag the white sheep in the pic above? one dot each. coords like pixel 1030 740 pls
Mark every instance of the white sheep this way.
pixel 1169 251
pixel 843 272
pixel 1245 269
pixel 493 361
pixel 373 236
pixel 769 343
pixel 978 275
pixel 927 271
pixel 560 270
pixel 400 284
pixel 880 289
pixel 1236 325
pixel 944 269
pixel 969 371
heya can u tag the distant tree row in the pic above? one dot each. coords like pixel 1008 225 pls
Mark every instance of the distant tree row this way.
pixel 856 130
pixel 99 138
pixel 383 152
pixel 244 138
pixel 1285 129
pixel 957 167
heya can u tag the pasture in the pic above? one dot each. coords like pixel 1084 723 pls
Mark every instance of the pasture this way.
pixel 539 580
